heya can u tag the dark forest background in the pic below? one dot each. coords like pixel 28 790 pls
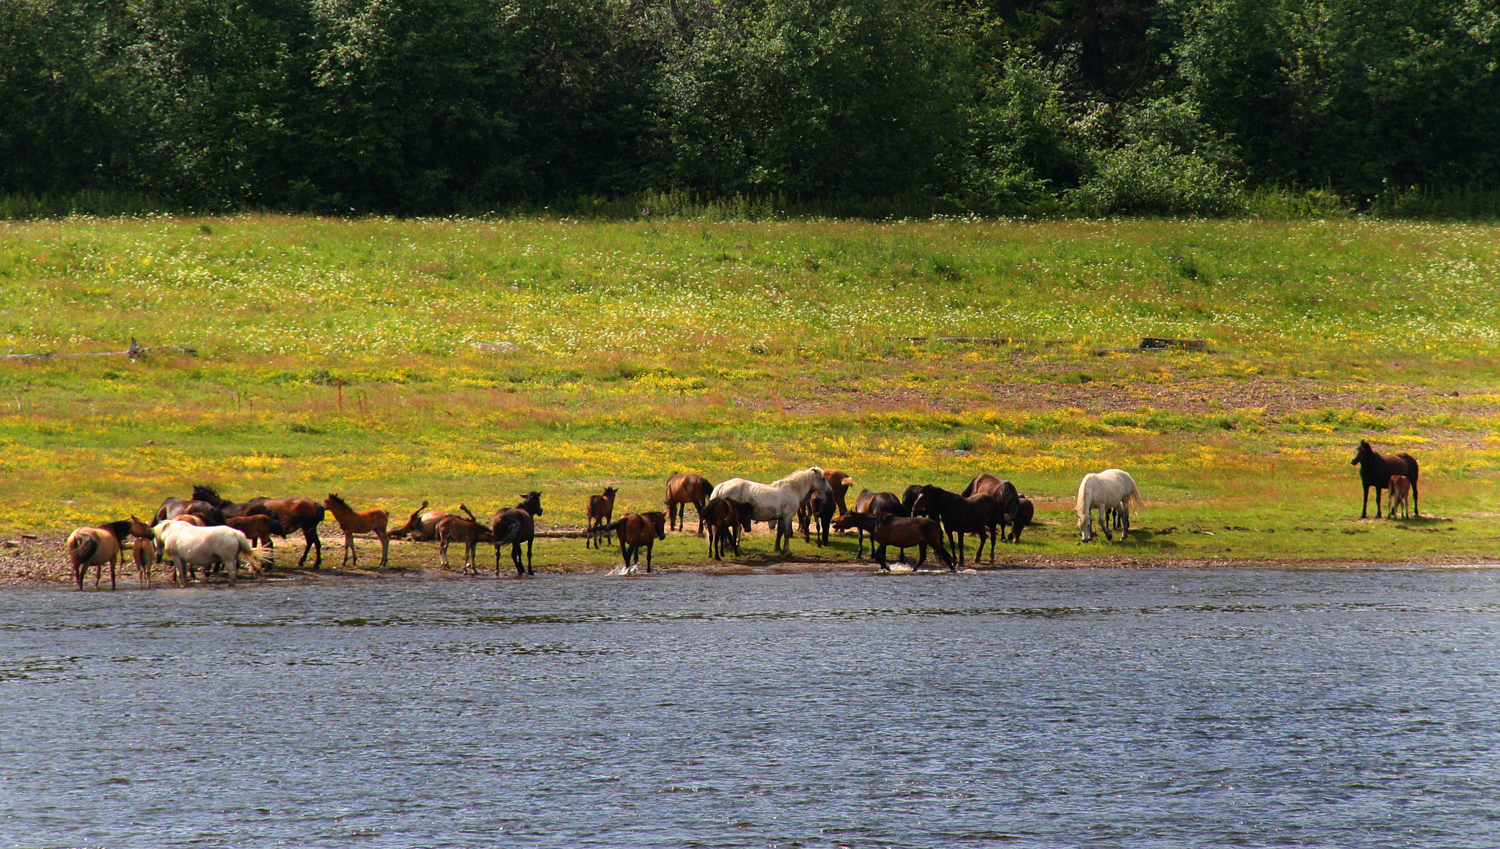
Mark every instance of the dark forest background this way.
pixel 1090 107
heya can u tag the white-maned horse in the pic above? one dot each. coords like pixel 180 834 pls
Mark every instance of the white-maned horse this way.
pixel 777 502
pixel 188 544
pixel 1105 491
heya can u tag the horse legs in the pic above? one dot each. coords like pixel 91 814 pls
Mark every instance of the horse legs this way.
pixel 349 549
pixel 111 574
pixel 879 555
pixel 1416 507
pixel 443 552
pixel 649 546
pixel 1124 521
pixel 1364 509
pixel 529 570
pixel 697 505
pixel 385 546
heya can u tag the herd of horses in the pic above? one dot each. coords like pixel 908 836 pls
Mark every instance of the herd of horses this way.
pixel 210 532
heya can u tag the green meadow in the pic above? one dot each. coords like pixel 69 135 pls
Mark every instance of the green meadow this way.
pixel 464 360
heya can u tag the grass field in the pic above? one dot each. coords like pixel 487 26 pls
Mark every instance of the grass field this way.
pixel 396 361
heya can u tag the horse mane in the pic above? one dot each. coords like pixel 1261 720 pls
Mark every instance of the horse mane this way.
pixel 121 529
pixel 1080 505
pixel 339 501
pixel 212 495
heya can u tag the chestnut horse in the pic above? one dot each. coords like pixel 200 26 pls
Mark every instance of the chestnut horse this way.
pixel 1400 490
pixel 422 526
pixel 636 531
pixel 353 522
pixel 599 510
pixel 97 546
pixel 874 504
pixel 1375 470
pixel 900 531
pixel 302 514
pixel 684 488
pixel 471 532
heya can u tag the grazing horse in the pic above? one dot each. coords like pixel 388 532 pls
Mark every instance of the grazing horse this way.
pixel 1003 490
pixel 1375 470
pixel 353 522
pixel 302 514
pixel 726 518
pixel 636 531
pixel 901 531
pixel 684 488
pixel 1104 491
pixel 97 546
pixel 188 545
pixel 776 501
pixel 471 532
pixel 422 526
pixel 874 504
pixel 599 510
pixel 515 526
pixel 175 508
pixel 1021 518
pixel 977 514
pixel 1400 490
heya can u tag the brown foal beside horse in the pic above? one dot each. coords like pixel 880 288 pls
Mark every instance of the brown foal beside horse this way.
pixel 684 488
pixel 900 531
pixel 726 519
pixel 353 522
pixel 1400 490
pixel 1376 469
pixel 599 510
pixel 470 531
pixel 635 531
pixel 421 527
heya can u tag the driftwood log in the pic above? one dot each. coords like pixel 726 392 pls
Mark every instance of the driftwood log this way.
pixel 134 352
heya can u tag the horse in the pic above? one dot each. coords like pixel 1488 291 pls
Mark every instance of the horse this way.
pixel 726 518
pixel 599 510
pixel 421 527
pixel 1103 491
pixel 143 551
pixel 174 508
pixel 515 526
pixel 874 504
pixel 977 514
pixel 776 501
pixel 636 531
pixel 839 482
pixel 901 531
pixel 258 528
pixel 1003 490
pixel 1021 518
pixel 909 497
pixel 100 545
pixel 353 522
pixel 1400 489
pixel 816 508
pixel 684 488
pixel 302 514
pixel 471 532
pixel 188 544
pixel 1375 470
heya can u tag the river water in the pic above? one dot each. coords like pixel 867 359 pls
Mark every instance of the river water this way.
pixel 1236 707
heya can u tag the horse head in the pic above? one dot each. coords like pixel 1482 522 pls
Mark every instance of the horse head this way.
pixel 531 502
pixel 202 492
pixel 1362 452
pixel 922 502
pixel 820 483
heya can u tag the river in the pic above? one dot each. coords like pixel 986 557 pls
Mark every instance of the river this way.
pixel 1172 708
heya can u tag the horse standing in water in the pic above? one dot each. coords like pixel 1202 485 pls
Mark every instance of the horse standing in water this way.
pixel 684 488
pixel 515 526
pixel 1375 469
pixel 353 522
pixel 776 502
pixel 901 531
pixel 1105 491
pixel 636 531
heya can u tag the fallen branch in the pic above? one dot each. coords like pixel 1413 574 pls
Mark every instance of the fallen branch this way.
pixel 134 352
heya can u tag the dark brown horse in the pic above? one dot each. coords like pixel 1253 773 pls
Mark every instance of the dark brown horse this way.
pixel 515 526
pixel 1003 490
pixel 1375 470
pixel 1021 518
pixel 296 514
pixel 816 508
pixel 636 531
pixel 977 514
pixel 874 504
pixel 726 518
pixel 258 527
pixel 900 531
pixel 599 510
pixel 175 508
pixel 684 488
pixel 421 526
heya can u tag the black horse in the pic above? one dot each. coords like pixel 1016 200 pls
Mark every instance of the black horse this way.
pixel 977 514
pixel 1375 470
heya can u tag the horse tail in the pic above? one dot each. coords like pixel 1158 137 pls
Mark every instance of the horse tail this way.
pixel 1135 495
pixel 601 530
pixel 81 547
pixel 1411 465
pixel 968 490
pixel 254 556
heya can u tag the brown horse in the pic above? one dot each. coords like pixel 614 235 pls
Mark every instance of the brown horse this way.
pixel 874 504
pixel 258 528
pixel 1021 518
pixel 636 531
pixel 470 532
pixel 977 514
pixel 515 526
pixel 296 514
pixel 176 508
pixel 100 545
pixel 684 488
pixel 143 551
pixel 900 531
pixel 1375 469
pixel 839 482
pixel 1003 490
pixel 726 518
pixel 1400 491
pixel 421 527
pixel 818 509
pixel 353 522
pixel 599 510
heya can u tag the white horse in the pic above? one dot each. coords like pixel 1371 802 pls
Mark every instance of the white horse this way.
pixel 189 544
pixel 777 502
pixel 1105 491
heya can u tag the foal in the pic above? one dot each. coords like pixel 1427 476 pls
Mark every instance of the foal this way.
pixel 1400 490
pixel 353 522
pixel 599 510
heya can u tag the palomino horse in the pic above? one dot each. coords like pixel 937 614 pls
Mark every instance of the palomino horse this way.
pixel 302 514
pixel 776 502
pixel 636 531
pixel 684 488
pixel 97 546
pixel 977 514
pixel 1400 490
pixel 1375 469
pixel 901 531
pixel 874 504
pixel 187 545
pixel 1003 490
pixel 422 526
pixel 515 526
pixel 599 510
pixel 726 518
pixel 353 522
pixel 1104 491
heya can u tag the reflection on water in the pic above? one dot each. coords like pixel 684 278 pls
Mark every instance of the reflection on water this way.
pixel 1156 708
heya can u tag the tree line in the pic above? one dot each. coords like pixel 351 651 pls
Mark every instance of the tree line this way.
pixel 991 106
